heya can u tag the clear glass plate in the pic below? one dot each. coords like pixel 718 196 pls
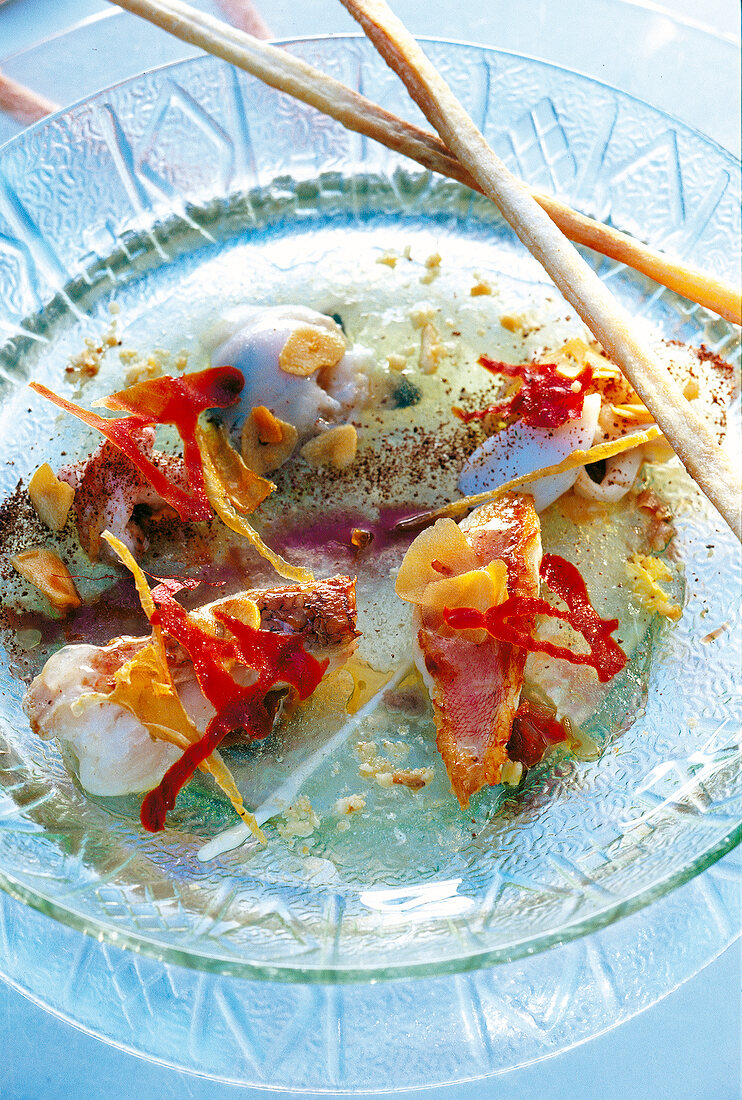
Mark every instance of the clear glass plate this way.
pixel 151 187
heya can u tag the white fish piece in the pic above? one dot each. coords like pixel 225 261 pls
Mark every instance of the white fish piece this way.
pixel 520 449
pixel 115 754
pixel 256 340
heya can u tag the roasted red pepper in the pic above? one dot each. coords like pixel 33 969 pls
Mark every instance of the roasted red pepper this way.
pixel 506 621
pixel 535 730
pixel 545 399
pixel 275 658
pixel 168 400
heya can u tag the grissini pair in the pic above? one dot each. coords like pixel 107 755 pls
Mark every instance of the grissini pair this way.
pixel 686 432
pixel 295 77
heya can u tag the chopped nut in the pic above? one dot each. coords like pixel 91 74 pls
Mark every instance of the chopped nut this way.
pixel 350 805
pixel 396 362
pixel 142 368
pixel 336 447
pixel 260 453
pixel 388 258
pixel 310 349
pixel 512 773
pixel 300 820
pixel 268 426
pixel 422 315
pixel 431 350
pixel 47 572
pixel 414 778
pixel 51 498
pixel 375 766
pixel 432 264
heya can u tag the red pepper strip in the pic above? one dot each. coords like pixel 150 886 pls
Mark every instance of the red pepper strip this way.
pixel 180 401
pixel 546 399
pixel 534 731
pixel 503 621
pixel 176 401
pixel 168 586
pixel 280 658
pixel 277 658
pixel 120 431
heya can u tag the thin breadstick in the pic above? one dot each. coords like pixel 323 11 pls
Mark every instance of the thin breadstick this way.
pixel 245 16
pixel 289 74
pixel 23 104
pixel 686 432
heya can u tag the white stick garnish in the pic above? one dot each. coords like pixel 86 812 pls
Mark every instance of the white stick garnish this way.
pixel 685 430
pixel 282 798
pixel 293 76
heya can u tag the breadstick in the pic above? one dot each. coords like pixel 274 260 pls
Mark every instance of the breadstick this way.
pixel 684 429
pixel 295 77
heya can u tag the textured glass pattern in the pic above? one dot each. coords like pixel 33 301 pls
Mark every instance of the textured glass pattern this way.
pixel 148 179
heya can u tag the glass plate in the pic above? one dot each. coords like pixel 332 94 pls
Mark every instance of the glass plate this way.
pixel 150 187
pixel 373 1038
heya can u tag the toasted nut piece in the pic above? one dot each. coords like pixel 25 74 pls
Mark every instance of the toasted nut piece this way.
pixel 336 447
pixel 438 551
pixel 431 350
pixel 268 426
pixel 414 778
pixel 47 572
pixel 309 349
pixel 51 498
pixel 261 454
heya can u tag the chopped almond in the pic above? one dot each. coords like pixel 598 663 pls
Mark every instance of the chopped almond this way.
pixel 310 349
pixel 444 544
pixel 47 572
pixel 350 805
pixel 431 350
pixel 336 447
pixel 51 498
pixel 268 426
pixel 260 452
pixel 414 778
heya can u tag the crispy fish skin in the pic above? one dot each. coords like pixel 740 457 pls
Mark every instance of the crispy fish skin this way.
pixel 475 686
pixel 322 612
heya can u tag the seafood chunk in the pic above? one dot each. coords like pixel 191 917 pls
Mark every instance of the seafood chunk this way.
pixel 475 683
pixel 276 348
pixel 115 752
pixel 111 494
